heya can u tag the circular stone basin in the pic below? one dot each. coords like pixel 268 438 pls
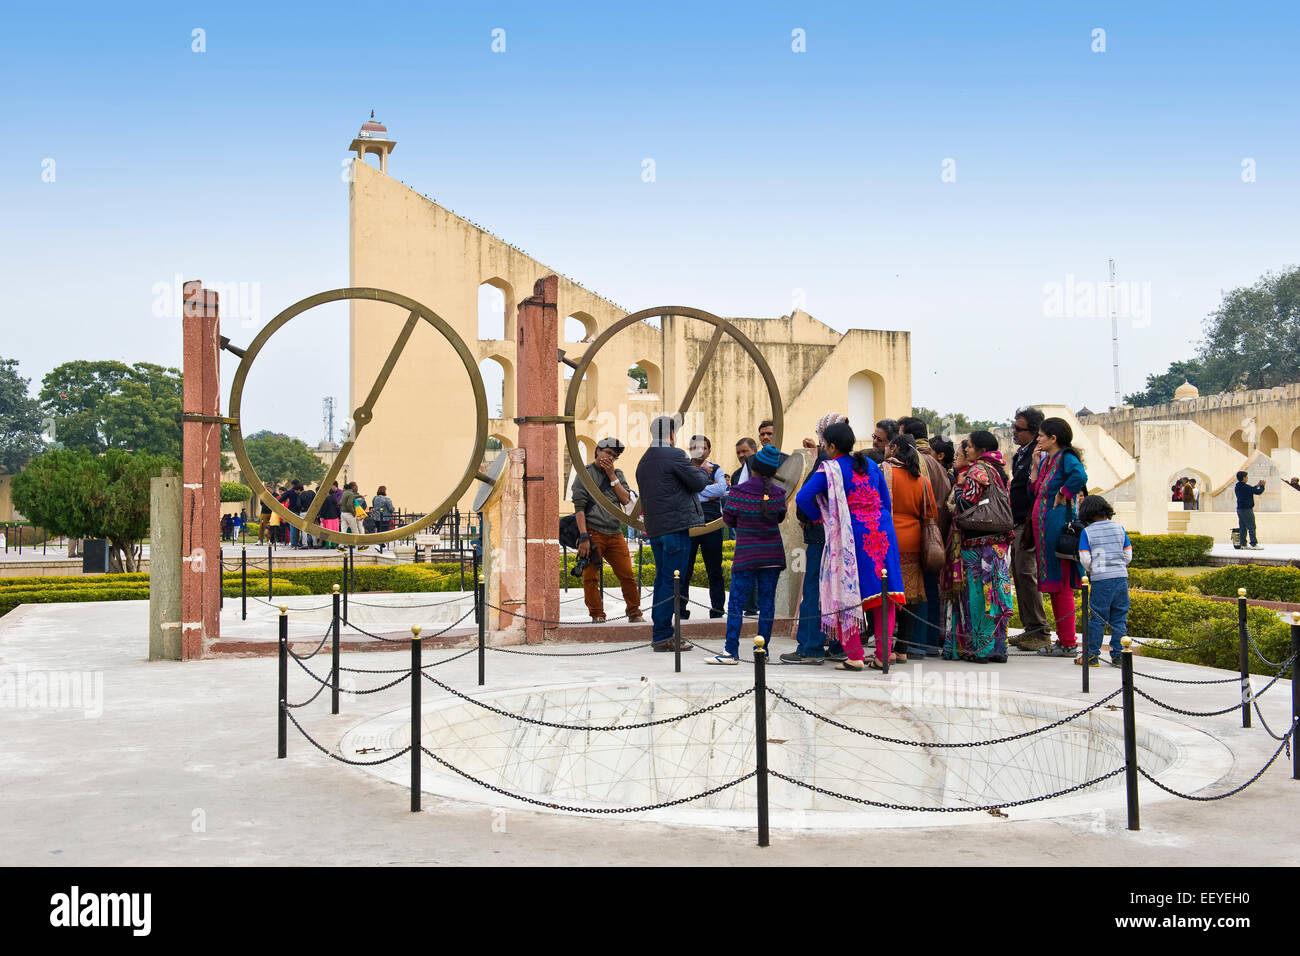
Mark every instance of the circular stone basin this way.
pixel 591 770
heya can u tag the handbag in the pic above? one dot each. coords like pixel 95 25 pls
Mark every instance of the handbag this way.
pixel 1067 545
pixel 991 515
pixel 933 553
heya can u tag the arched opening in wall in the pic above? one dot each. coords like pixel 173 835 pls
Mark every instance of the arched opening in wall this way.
pixel 494 300
pixel 647 378
pixel 1203 487
pixel 866 403
pixel 1238 442
pixel 1268 441
pixel 371 158
pixel 499 385
pixel 587 392
pixel 1295 440
pixel 579 327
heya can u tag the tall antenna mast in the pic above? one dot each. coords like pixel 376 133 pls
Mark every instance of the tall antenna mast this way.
pixel 327 418
pixel 1114 331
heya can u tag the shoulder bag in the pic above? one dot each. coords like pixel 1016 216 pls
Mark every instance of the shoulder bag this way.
pixel 991 515
pixel 933 553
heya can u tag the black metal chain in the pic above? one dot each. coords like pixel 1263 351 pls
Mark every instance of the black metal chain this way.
pixel 616 650
pixel 1250 638
pixel 559 806
pixel 316 607
pixel 1179 648
pixel 1174 680
pixel 319 691
pixel 399 670
pixel 1188 713
pixel 1285 745
pixel 407 640
pixel 372 690
pixel 307 657
pixel 546 723
pixel 921 743
pixel 526 617
pixel 1269 730
pixel 340 758
pixel 1254 694
pixel 462 596
pixel 970 809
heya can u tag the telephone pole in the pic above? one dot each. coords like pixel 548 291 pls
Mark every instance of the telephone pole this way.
pixel 1114 331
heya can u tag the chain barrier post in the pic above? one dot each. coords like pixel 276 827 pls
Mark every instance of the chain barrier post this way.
pixel 1243 638
pixel 480 613
pixel 564 566
pixel 760 731
pixel 883 642
pixel 1130 734
pixel 243 583
pixel 415 718
pixel 352 568
pixel 270 592
pixel 677 621
pixel 1085 588
pixel 1295 694
pixel 283 709
pixel 334 682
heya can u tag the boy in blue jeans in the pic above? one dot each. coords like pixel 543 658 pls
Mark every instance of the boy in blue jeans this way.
pixel 1105 553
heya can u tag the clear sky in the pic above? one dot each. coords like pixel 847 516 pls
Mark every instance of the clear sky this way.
pixel 933 167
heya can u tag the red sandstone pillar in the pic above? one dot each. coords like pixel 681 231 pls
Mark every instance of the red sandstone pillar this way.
pixel 537 338
pixel 201 474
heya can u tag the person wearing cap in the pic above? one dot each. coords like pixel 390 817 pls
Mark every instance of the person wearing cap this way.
pixel 669 486
pixel 711 543
pixel 755 508
pixel 600 534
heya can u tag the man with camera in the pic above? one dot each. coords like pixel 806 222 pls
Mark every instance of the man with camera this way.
pixel 600 534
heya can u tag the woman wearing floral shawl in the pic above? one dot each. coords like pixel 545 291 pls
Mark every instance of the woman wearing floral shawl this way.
pixel 977 575
pixel 847 495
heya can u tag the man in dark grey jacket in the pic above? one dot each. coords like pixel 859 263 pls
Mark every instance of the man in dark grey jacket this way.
pixel 670 486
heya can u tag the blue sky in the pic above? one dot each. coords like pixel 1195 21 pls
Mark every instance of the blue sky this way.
pixel 775 171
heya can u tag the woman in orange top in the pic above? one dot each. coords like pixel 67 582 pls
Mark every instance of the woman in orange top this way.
pixel 912 497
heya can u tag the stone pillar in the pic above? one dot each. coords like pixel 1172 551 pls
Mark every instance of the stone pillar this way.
pixel 537 341
pixel 200 545
pixel 1152 443
pixel 165 567
pixel 504 564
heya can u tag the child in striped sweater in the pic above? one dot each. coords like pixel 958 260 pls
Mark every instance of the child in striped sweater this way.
pixel 755 508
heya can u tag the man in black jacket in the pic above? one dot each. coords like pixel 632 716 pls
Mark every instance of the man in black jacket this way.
pixel 1024 564
pixel 669 486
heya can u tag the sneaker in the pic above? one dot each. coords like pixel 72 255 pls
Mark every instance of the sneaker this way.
pixel 684 614
pixel 637 618
pixel 722 659
pixel 1059 650
pixel 598 619
pixel 668 645
pixel 835 652
pixel 1028 636
pixel 794 657
pixel 1094 660
pixel 1037 642
pixel 1116 660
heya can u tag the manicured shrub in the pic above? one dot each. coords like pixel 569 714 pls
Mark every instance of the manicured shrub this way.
pixel 1262 583
pixel 1169 550
pixel 1147 580
pixel 1204 632
pixel 10 598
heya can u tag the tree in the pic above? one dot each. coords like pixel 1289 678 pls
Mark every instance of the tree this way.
pixel 1251 340
pixel 642 380
pixel 103 405
pixel 20 420
pixel 234 491
pixel 951 424
pixel 1160 387
pixel 75 493
pixel 278 458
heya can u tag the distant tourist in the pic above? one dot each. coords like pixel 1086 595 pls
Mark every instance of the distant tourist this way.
pixel 1246 495
pixel 1024 563
pixel 328 516
pixel 886 431
pixel 710 544
pixel 669 486
pixel 811 647
pixel 848 496
pixel 1060 479
pixel 1191 495
pixel 913 500
pixel 600 534
pixel 381 507
pixel 1105 553
pixel 755 508
pixel 978 571
pixel 305 498
pixel 941 485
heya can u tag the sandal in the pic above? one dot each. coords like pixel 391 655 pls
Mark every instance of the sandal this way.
pixel 875 665
pixel 847 665
pixel 897 658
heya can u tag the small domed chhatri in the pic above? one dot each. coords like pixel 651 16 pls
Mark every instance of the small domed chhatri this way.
pixel 1186 391
pixel 373 138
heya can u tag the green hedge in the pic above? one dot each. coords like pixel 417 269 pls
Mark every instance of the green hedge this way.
pixel 10 598
pixel 1188 621
pixel 1262 583
pixel 80 580
pixel 1170 550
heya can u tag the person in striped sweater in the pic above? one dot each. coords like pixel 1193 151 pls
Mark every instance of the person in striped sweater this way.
pixel 755 508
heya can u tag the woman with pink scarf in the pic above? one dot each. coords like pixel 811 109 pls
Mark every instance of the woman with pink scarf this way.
pixel 848 496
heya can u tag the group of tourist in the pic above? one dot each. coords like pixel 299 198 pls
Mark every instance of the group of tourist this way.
pixel 1185 490
pixel 936 541
pixel 344 509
